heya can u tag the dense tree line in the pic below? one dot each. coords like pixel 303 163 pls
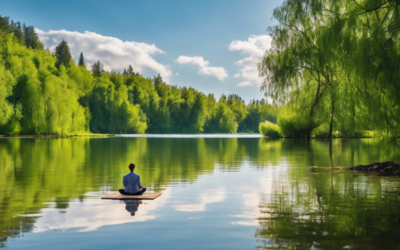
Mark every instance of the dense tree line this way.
pixel 43 92
pixel 334 67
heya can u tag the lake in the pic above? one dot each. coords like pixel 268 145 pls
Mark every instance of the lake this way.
pixel 218 192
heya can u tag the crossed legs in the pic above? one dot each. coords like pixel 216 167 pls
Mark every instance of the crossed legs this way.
pixel 141 191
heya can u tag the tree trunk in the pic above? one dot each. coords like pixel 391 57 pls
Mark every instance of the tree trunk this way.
pixel 333 112
pixel 312 109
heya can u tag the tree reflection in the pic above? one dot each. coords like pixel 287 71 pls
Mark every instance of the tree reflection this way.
pixel 317 208
pixel 307 205
pixel 34 172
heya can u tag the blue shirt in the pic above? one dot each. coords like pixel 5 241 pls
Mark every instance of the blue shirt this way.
pixel 132 183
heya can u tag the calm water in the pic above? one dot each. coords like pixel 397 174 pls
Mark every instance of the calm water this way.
pixel 217 193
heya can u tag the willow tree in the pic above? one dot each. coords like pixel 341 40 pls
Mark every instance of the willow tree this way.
pixel 348 51
pixel 370 34
pixel 303 56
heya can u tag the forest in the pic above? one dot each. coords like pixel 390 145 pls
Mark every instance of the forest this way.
pixel 45 92
pixel 334 68
pixel 332 71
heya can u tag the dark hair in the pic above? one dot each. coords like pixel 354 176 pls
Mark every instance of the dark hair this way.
pixel 131 166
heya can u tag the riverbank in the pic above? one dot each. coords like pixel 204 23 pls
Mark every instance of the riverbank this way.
pixel 314 137
pixel 56 136
pixel 388 168
pixel 179 135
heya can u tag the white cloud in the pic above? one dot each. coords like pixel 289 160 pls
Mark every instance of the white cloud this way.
pixel 112 52
pixel 177 73
pixel 218 72
pixel 245 83
pixel 253 48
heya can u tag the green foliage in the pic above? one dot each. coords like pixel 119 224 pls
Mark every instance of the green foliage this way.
pixel 81 61
pixel 292 124
pixel 339 61
pixel 97 69
pixel 45 94
pixel 39 99
pixel 31 38
pixel 7 83
pixel 269 129
pixel 223 119
pixel 5 25
pixel 63 54
pixel 111 110
pixel 257 112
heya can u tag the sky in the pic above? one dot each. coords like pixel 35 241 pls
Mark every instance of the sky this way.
pixel 212 46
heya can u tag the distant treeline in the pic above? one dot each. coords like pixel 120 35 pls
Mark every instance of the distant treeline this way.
pixel 43 92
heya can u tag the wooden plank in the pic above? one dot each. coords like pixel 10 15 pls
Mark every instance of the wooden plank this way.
pixel 118 196
pixel 111 196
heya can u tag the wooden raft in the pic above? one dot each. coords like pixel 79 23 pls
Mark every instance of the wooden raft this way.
pixel 118 196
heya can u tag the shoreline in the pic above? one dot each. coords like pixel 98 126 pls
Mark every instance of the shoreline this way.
pixel 55 136
pixel 313 137
pixel 114 135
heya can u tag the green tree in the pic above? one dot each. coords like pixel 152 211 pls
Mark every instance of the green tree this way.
pixel 5 26
pixel 63 54
pixel 81 62
pixel 97 69
pixel 301 61
pixel 42 93
pixel 17 30
pixel 157 80
pixel 31 38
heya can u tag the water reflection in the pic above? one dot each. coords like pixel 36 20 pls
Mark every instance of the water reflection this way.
pixel 55 184
pixel 34 172
pixel 309 208
pixel 91 214
pixel 132 206
pixel 206 197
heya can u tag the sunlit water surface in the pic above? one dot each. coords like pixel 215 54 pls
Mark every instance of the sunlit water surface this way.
pixel 218 192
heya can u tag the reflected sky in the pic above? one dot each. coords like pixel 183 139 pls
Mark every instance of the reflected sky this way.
pixel 188 202
pixel 217 193
pixel 93 213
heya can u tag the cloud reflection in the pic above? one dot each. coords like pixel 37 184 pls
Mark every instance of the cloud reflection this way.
pixel 251 199
pixel 206 197
pixel 92 214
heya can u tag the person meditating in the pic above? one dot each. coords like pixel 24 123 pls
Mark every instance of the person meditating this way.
pixel 132 183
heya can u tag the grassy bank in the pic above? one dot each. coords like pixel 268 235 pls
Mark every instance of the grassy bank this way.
pixel 57 136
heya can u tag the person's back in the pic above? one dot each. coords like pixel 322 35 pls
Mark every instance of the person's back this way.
pixel 132 183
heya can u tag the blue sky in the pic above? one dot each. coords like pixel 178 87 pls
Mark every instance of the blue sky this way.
pixel 212 46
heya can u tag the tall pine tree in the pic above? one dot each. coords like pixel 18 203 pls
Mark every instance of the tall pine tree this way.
pixel 31 38
pixel 97 69
pixel 18 32
pixel 63 54
pixel 81 62
pixel 157 80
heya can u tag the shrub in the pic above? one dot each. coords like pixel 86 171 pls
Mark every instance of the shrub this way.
pixel 269 129
pixel 292 126
pixel 322 130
